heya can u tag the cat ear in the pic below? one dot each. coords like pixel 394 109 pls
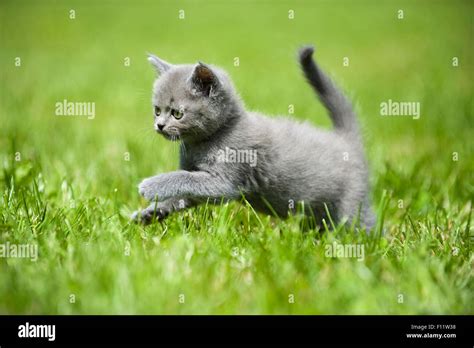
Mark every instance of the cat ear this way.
pixel 160 65
pixel 204 79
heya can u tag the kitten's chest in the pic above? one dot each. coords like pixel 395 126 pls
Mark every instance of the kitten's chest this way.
pixel 193 159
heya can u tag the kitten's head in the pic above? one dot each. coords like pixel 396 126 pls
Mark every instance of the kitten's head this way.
pixel 192 102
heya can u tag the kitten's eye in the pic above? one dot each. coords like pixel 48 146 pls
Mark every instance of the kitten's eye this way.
pixel 177 114
pixel 157 111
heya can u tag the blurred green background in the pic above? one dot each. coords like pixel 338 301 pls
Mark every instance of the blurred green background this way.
pixel 73 187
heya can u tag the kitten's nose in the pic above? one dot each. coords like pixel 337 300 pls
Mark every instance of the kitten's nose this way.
pixel 160 126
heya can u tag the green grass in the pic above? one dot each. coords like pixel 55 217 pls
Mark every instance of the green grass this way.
pixel 72 191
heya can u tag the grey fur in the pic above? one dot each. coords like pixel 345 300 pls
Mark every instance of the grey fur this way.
pixel 296 162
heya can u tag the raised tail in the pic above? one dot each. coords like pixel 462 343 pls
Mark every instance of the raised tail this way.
pixel 339 107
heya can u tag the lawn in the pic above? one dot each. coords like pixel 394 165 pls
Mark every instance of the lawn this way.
pixel 69 183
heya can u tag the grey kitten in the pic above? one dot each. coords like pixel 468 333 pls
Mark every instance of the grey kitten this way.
pixel 228 152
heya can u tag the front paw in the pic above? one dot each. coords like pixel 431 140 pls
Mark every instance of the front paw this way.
pixel 148 189
pixel 148 215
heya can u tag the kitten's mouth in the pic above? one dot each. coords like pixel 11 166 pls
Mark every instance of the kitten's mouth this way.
pixel 172 137
pixel 170 133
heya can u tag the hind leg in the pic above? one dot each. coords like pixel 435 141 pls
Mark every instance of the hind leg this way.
pixel 354 208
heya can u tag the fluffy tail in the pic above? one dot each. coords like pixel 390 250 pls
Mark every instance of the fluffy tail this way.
pixel 339 107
